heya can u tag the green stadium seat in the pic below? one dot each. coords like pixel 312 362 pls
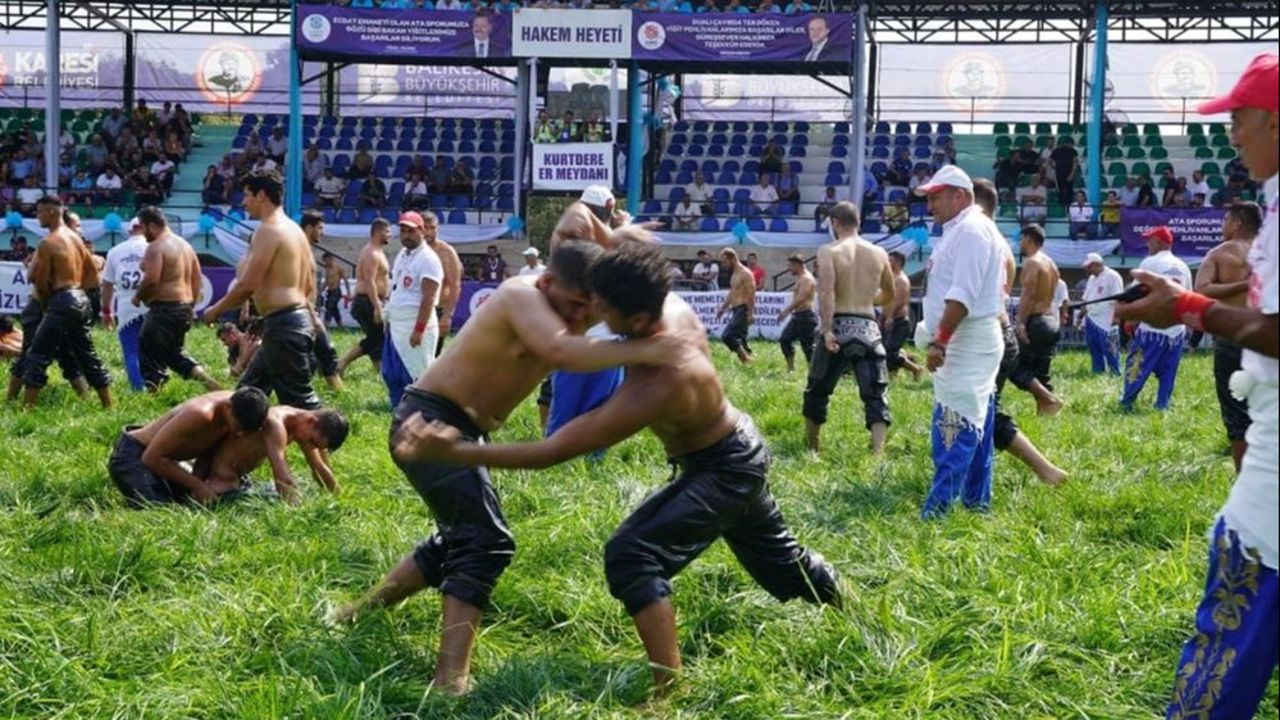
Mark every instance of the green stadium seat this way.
pixel 1000 128
pixel 1217 129
pixel 1151 129
pixel 1118 180
pixel 1043 128
pixel 1159 153
pixel 1042 141
pixel 1215 182
pixel 1065 129
pixel 1130 141
pixel 1117 168
pixel 1136 153
pixel 1009 210
pixel 1197 141
pixel 1220 141
pixel 1112 153
pixel 1079 182
pixel 1004 141
pixel 1129 129
pixel 1152 141
pixel 1161 167
pixel 1227 153
pixel 1195 129
pixel 1022 128
pixel 1204 153
pixel 1064 138
pixel 1002 153
pixel 1140 168
pixel 1057 212
pixel 1211 168
pixel 1110 140
pixel 1249 195
pixel 1020 139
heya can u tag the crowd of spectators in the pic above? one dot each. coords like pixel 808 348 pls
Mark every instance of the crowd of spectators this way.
pixel 790 7
pixel 138 153
pixel 567 129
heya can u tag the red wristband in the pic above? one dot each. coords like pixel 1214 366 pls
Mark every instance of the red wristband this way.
pixel 943 337
pixel 1191 307
pixel 420 327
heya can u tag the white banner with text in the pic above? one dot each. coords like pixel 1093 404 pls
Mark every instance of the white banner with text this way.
pixel 599 34
pixel 572 166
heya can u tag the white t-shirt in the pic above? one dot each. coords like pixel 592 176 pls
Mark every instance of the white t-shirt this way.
pixel 278 146
pixel 690 213
pixel 1106 283
pixel 163 167
pixel 331 186
pixel 697 194
pixel 109 183
pixel 407 273
pixel 535 270
pixel 967 266
pixel 414 189
pixel 30 195
pixel 1201 188
pixel 1264 287
pixel 1167 264
pixel 1081 213
pixel 1060 294
pixel 766 195
pixel 124 271
pixel 706 271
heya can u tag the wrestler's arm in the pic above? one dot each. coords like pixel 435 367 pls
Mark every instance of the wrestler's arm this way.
pixel 157 456
pixel 633 408
pixel 276 438
pixel 318 461
pixel 888 285
pixel 544 333
pixel 38 272
pixel 256 264
pixel 826 290
pixel 1207 281
pixel 90 277
pixel 151 266
pixel 1030 285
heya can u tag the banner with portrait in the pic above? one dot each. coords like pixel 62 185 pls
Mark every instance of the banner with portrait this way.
pixel 92 65
pixel 1164 82
pixel 744 38
pixel 344 33
pixel 211 73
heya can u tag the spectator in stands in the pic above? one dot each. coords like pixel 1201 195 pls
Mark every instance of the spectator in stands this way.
pixel 788 186
pixel 764 197
pixel 922 176
pixel 736 6
pixel 461 181
pixel 757 270
pixel 939 161
pixel 110 187
pixel 373 193
pixel 147 189
pixel 687 214
pixel 1146 194
pixel 594 130
pixel 314 163
pixel 252 149
pixel 214 187
pixel 1111 215
pixel 771 159
pixel 1032 201
pixel 899 172
pixel 181 121
pixel 174 149
pixel 767 6
pixel 163 169
pixel 277 146
pixel 1237 175
pixel 419 166
pixel 152 147
pixel 700 193
pixel 329 190
pixel 828 201
pixel 127 165
pixel 21 167
pixel 1065 165
pixel 705 269
pixel 505 6
pixel 165 114
pixel 1128 195
pixel 18 250
pixel 416 196
pixel 81 189
pixel 227 168
pixel 567 130
pixel 264 164
pixel 674 272
pixel 451 5
pixel 797 7
pixel 361 163
pixel 492 267
pixel 709 6
pixel 1046 157
pixel 66 169
pixel 1178 195
pixel 1199 187
pixel 27 196
pixel 533 264
pixel 113 124
pixel 544 131
pixel 66 141
pixel 1168 180
pixel 948 150
pixel 1081 217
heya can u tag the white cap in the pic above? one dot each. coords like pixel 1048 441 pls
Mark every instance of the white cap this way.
pixel 947 176
pixel 530 252
pixel 597 195
pixel 1092 258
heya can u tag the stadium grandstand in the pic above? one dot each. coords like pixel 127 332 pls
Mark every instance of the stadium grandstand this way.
pixel 172 104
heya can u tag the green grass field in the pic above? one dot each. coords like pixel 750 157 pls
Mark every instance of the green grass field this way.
pixel 1068 603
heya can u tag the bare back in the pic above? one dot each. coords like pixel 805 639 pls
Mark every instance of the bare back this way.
pixel 173 264
pixel 242 454
pixel 488 370
pixel 373 272
pixel 1039 283
pixel 62 261
pixel 862 272
pixel 579 223
pixel 1226 264
pixel 188 430
pixel 695 412
pixel 901 297
pixel 280 260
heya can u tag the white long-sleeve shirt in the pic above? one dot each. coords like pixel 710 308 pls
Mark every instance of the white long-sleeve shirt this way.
pixel 1106 283
pixel 1167 264
pixel 968 267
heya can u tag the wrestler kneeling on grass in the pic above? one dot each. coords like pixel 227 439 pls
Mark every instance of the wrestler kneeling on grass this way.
pixel 721 491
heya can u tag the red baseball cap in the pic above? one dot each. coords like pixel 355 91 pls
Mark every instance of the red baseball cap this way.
pixel 1256 88
pixel 412 219
pixel 1161 233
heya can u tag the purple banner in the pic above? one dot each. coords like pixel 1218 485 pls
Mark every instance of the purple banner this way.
pixel 330 31
pixel 92 67
pixel 745 38
pixel 470 298
pixel 209 73
pixel 1196 231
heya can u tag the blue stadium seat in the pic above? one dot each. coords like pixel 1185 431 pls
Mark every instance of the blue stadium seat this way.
pixel 675 150
pixel 755 224
pixel 720 207
pixel 923 141
pixel 833 179
pixel 347 217
pixel 731 166
pixel 902 141
pixel 680 126
pixel 709 167
pixel 695 151
pixel 878 141
pixel 715 151
pixel 748 178
pixel 729 223
pixel 662 177
pixel 680 138
pixel 684 177
pixel 923 153
pixel 923 128
pixel 760 126
pixel 797 151
pixel 688 166
pixel 368 215
pixel 459 202
pixel 457 217
pixel 902 128
pixel 882 128
pixel 719 139
pixel 709 225
pixel 802 140
pixel 384 146
pixel 779 225
pixel 878 153
pixel 737 151
pixel 786 208
pixel 652 207
pixel 944 128
pixel 696 139
pixel 879 168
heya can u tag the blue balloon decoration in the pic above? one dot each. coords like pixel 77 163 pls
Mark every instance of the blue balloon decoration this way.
pixel 515 224
pixel 13 220
pixel 236 214
pixel 113 223
pixel 206 223
pixel 741 230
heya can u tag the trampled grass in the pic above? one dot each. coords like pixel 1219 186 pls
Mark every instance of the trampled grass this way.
pixel 1069 603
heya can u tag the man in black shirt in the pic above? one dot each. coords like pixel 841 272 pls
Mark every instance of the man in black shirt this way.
pixel 1065 163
